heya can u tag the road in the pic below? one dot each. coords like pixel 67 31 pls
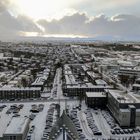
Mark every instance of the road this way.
pixel 40 100
pixel 59 84
pixel 101 124
pixel 56 91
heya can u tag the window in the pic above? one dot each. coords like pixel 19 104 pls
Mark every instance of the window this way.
pixel 124 116
pixel 12 137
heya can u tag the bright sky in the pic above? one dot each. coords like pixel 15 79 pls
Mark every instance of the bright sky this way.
pixel 40 9
pixel 70 18
pixel 50 9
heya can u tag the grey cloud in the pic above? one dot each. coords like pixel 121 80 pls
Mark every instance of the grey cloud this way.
pixel 27 24
pixel 9 22
pixel 80 24
pixel 3 5
pixel 12 26
pixel 123 26
pixel 68 25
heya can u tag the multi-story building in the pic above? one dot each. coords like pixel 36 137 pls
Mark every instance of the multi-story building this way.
pixel 129 72
pixel 20 93
pixel 81 90
pixel 17 129
pixel 136 87
pixel 124 107
pixel 72 87
pixel 96 99
pixel 41 79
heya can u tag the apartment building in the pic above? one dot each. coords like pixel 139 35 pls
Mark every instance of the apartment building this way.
pixel 124 107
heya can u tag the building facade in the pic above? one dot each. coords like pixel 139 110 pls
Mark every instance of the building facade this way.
pixel 20 93
pixel 124 107
pixel 17 129
pixel 96 99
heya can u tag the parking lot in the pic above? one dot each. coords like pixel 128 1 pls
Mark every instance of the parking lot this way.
pixel 90 124
pixel 99 124
pixel 44 113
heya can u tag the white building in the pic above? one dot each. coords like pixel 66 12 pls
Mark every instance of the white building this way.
pixel 124 107
pixel 17 129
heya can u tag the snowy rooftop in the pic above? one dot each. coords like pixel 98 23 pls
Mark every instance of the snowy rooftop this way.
pixel 136 85
pixel 125 63
pixel 70 79
pixel 134 69
pixel 39 81
pixel 95 94
pixel 89 85
pixel 16 88
pixel 92 74
pixel 4 120
pixel 84 68
pixel 100 82
pixel 17 125
pixel 138 79
pixel 122 97
pixel 124 110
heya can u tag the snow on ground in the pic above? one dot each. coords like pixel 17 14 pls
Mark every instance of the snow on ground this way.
pixel 100 123
pixel 87 131
pixel 4 120
pixel 39 122
pixel 40 119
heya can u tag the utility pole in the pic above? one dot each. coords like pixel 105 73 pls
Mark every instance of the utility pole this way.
pixel 63 134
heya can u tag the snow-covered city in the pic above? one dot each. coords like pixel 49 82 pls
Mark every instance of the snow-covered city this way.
pixel 69 91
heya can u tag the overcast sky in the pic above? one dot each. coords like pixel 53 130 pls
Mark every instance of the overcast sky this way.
pixel 70 18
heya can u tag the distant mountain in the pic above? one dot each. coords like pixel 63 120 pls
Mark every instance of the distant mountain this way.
pixel 107 38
